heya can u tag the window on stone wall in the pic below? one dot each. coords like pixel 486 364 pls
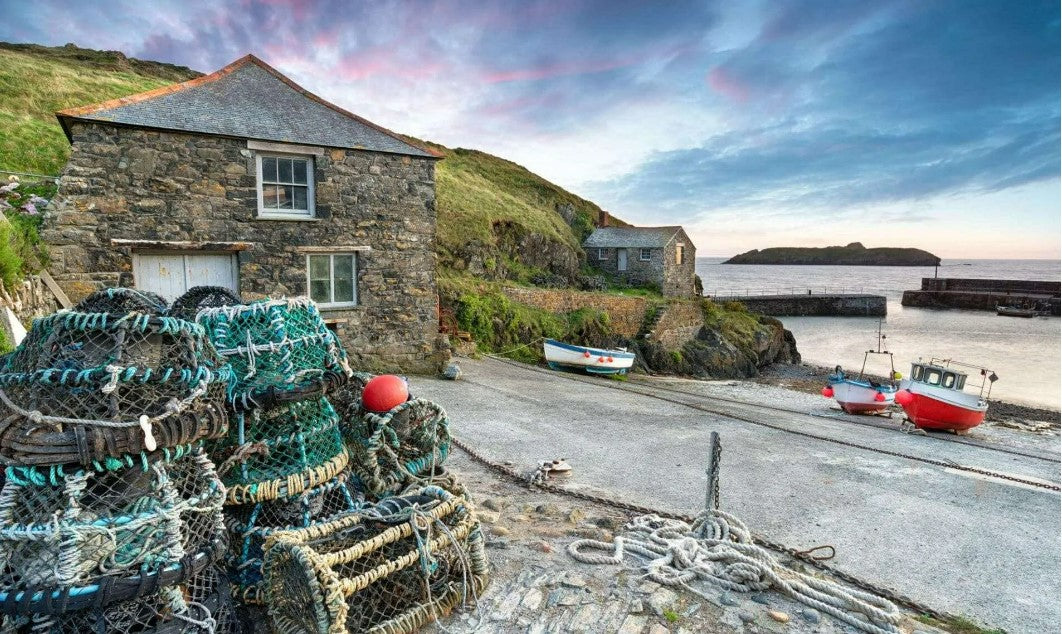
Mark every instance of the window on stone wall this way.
pixel 645 255
pixel 602 254
pixel 285 187
pixel 679 253
pixel 332 279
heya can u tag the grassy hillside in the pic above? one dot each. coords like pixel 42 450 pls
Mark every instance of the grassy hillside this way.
pixel 35 81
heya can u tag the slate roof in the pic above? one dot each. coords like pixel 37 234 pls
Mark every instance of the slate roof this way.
pixel 631 237
pixel 246 99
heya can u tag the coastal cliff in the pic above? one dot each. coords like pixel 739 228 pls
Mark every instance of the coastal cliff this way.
pixel 854 254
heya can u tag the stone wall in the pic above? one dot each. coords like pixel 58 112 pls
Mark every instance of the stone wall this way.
pixel 134 184
pixel 29 299
pixel 677 322
pixel 678 278
pixel 625 313
pixel 815 305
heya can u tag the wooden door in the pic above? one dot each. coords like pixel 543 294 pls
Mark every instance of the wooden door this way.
pixel 171 274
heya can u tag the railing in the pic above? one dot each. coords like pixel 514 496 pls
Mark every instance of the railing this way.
pixel 797 290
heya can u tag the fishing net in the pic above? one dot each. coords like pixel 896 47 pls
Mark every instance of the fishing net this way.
pixel 280 452
pixel 281 344
pixel 390 568
pixel 121 301
pixel 390 450
pixel 250 525
pixel 66 536
pixel 346 399
pixel 198 604
pixel 86 386
pixel 187 306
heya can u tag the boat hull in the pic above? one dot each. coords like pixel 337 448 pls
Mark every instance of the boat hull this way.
pixel 929 411
pixel 859 398
pixel 565 356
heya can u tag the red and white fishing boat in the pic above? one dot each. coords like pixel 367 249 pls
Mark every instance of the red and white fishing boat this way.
pixel 933 396
pixel 861 394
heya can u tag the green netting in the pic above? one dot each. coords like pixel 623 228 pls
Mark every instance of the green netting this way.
pixel 391 567
pixel 250 525
pixel 275 344
pixel 197 605
pixel 85 529
pixel 83 387
pixel 122 301
pixel 280 452
pixel 389 451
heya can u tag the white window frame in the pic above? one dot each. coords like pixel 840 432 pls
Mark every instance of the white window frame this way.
pixel 286 214
pixel 645 255
pixel 602 253
pixel 332 277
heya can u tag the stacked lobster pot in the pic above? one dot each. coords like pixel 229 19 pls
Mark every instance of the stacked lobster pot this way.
pixel 110 511
pixel 283 460
pixel 413 553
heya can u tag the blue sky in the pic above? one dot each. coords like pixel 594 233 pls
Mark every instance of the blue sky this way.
pixel 895 123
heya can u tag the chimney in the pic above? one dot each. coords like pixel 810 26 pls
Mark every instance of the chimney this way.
pixel 602 220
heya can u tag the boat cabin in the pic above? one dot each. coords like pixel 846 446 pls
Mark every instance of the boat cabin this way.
pixel 938 376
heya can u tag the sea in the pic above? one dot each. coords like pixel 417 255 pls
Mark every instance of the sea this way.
pixel 1024 353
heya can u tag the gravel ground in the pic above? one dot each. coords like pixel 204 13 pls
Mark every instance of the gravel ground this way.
pixel 811 378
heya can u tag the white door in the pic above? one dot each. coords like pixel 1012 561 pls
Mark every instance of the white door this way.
pixel 621 263
pixel 171 274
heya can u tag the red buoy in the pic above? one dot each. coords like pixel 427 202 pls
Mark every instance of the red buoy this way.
pixel 879 397
pixel 586 353
pixel 601 359
pixel 383 393
pixel 904 397
pixel 610 359
pixel 827 391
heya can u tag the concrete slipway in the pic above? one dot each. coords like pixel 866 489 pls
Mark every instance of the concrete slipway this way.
pixel 962 543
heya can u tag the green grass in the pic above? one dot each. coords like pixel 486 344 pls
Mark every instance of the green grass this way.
pixel 671 616
pixel 733 320
pixel 35 82
pixel 958 625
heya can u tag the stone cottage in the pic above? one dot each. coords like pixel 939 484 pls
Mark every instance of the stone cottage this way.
pixel 243 179
pixel 663 256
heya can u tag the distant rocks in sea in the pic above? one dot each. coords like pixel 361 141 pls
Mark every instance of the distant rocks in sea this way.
pixel 854 254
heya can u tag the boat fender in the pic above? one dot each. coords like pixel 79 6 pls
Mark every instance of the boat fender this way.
pixel 904 397
pixel 610 359
pixel 879 397
pixel 827 391
pixel 586 353
pixel 601 359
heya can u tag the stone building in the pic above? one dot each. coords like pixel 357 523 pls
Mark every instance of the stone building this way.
pixel 663 256
pixel 243 179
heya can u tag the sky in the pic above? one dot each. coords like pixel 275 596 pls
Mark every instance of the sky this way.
pixel 921 123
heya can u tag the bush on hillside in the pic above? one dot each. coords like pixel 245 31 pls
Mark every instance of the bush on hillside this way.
pixel 21 250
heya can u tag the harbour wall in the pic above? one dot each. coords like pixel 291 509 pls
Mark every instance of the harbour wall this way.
pixel 976 294
pixel 836 305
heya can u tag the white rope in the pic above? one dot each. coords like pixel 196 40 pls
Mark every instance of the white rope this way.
pixel 718 548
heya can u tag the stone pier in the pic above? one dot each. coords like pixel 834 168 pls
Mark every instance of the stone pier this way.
pixel 833 305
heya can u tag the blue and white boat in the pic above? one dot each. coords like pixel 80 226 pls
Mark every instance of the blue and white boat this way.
pixel 861 394
pixel 565 356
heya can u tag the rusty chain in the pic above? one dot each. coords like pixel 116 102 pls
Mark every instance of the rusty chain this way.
pixel 804 556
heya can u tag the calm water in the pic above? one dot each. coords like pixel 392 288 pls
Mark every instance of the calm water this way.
pixel 1025 353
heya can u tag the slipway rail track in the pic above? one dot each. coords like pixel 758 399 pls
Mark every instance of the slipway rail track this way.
pixel 728 408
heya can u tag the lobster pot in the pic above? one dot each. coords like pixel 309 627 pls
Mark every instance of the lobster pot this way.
pixel 198 604
pixel 346 399
pixel 197 298
pixel 390 450
pixel 86 386
pixel 273 346
pixel 67 535
pixel 390 568
pixel 280 452
pixel 250 525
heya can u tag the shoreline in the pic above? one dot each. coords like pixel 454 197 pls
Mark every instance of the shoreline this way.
pixel 810 378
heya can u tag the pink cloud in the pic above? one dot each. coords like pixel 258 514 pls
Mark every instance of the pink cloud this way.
pixel 727 85
pixel 557 69
pixel 380 60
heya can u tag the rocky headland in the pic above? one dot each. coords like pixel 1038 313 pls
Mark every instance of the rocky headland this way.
pixel 854 254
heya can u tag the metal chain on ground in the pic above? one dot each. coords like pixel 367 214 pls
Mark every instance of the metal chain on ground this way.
pixel 939 463
pixel 800 555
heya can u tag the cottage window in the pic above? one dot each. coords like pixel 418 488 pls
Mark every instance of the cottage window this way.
pixel 602 254
pixel 332 279
pixel 679 253
pixel 645 255
pixel 285 187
